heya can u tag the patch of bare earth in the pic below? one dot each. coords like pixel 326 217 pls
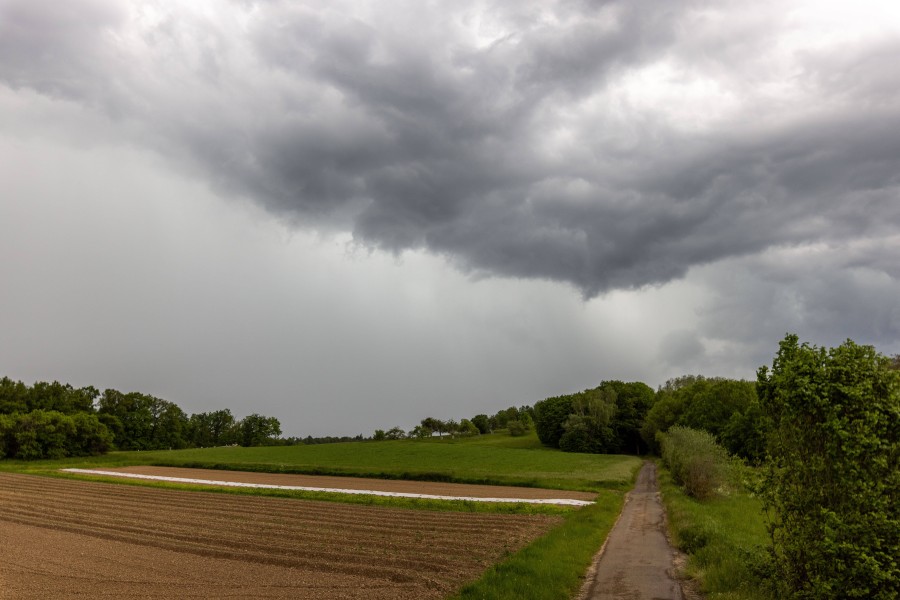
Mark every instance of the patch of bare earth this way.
pixel 360 483
pixel 66 538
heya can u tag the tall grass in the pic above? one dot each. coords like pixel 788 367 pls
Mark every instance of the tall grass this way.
pixel 724 535
pixel 695 460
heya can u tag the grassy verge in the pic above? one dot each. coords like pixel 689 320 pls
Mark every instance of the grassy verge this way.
pixel 553 566
pixel 725 538
pixel 491 459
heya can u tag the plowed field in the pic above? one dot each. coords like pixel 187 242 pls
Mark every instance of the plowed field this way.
pixel 65 538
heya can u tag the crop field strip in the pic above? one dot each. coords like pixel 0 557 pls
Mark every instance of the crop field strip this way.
pixel 441 550
pixel 224 478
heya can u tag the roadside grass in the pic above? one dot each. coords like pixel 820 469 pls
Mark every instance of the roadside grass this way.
pixel 552 567
pixel 494 459
pixel 724 537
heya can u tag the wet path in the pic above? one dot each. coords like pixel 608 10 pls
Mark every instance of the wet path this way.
pixel 637 561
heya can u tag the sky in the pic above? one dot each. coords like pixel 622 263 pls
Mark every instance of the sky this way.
pixel 351 215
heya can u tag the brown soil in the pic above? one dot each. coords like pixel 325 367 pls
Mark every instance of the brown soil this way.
pixel 66 538
pixel 360 483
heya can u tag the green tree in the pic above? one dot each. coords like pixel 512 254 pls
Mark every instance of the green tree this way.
pixel 550 418
pixel 13 396
pixel 432 425
pixel 257 430
pixel 133 411
pixel 482 422
pixel 502 418
pixel 394 433
pixel 589 427
pixel 633 400
pixel 7 429
pixel 833 482
pixel 91 437
pixel 419 432
pixel 726 408
pixel 41 434
pixel 170 425
pixel 61 398
pixel 467 427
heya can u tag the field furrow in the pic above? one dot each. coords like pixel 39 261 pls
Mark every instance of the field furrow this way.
pixel 433 552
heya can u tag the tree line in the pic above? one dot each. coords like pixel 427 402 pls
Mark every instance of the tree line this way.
pixel 55 420
pixel 516 421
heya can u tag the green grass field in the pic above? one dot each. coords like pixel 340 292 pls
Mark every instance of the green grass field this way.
pixel 492 459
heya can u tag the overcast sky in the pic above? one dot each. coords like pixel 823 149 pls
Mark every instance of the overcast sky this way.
pixel 351 215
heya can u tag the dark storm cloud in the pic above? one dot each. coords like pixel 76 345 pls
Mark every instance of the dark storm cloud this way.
pixel 496 135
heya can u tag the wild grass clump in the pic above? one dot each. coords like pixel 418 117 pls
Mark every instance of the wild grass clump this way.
pixel 696 461
pixel 725 537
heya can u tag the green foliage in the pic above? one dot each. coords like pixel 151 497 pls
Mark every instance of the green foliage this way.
pixel 467 427
pixel 257 430
pixel 589 427
pixel 47 434
pixel 16 397
pixel 482 422
pixel 833 482
pixel 725 537
pixel 549 418
pixel 695 460
pixel 394 433
pixel 606 419
pixel 419 432
pixel 517 428
pixel 553 566
pixel 502 419
pixel 215 428
pixel 726 408
pixel 56 420
pixel 633 401
pixel 91 436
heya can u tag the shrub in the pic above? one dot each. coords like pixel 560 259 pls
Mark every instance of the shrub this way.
pixel 517 428
pixel 695 460
pixel 833 482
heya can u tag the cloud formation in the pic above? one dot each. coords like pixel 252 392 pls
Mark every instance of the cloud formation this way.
pixel 608 145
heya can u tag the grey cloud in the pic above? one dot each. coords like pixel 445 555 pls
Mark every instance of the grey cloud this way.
pixel 54 48
pixel 823 293
pixel 681 349
pixel 389 122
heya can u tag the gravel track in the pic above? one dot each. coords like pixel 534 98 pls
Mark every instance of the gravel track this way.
pixel 289 548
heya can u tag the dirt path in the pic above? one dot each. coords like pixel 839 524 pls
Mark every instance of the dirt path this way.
pixel 637 560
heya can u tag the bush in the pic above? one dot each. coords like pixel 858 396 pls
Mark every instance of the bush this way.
pixel 695 460
pixel 43 434
pixel 833 480
pixel 517 428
